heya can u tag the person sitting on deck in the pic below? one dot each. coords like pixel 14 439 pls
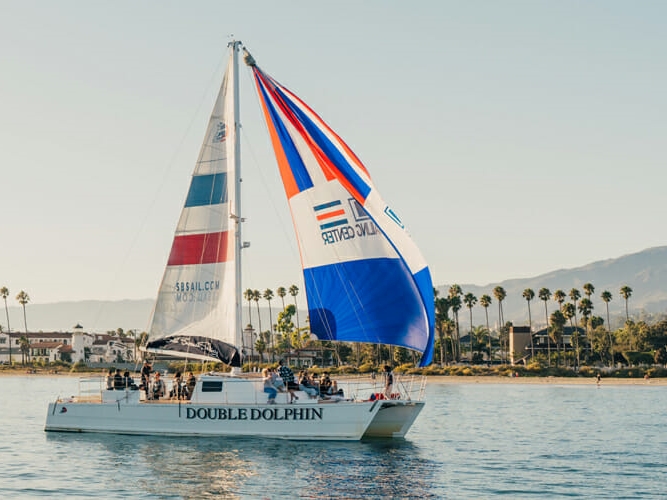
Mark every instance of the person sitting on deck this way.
pixel 276 381
pixel 177 389
pixel 306 384
pixel 325 384
pixel 190 385
pixel 118 382
pixel 157 389
pixel 268 386
pixel 334 390
pixel 109 379
pixel 128 382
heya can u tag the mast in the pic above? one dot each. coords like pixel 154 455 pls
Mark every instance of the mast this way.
pixel 235 45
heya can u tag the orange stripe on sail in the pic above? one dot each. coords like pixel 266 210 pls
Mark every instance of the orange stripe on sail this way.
pixel 289 182
pixel 330 215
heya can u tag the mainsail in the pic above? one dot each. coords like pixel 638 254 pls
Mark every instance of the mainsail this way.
pixel 366 281
pixel 196 312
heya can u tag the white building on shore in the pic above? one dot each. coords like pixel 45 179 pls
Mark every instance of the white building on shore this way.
pixel 65 346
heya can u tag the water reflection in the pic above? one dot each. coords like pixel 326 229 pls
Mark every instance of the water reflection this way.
pixel 251 467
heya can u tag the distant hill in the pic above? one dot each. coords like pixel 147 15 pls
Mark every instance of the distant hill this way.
pixel 94 315
pixel 645 272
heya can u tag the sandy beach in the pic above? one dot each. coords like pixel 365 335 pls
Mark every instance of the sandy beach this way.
pixel 443 379
pixel 432 379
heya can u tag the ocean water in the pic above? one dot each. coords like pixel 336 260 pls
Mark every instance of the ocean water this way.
pixel 471 441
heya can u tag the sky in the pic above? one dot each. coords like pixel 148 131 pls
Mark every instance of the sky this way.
pixel 513 138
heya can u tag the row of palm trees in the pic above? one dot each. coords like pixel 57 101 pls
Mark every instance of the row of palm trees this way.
pixel 255 295
pixel 23 298
pixel 456 299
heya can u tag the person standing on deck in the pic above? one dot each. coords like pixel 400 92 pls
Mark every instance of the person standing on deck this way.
pixel 287 375
pixel 388 381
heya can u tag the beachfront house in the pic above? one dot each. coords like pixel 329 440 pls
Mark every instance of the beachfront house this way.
pixel 71 347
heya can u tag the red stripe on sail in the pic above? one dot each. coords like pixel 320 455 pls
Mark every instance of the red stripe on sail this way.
pixel 207 248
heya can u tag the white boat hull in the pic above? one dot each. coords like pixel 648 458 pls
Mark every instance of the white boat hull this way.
pixel 339 421
pixel 223 405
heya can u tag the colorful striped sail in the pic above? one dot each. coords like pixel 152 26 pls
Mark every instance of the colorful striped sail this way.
pixel 366 281
pixel 195 313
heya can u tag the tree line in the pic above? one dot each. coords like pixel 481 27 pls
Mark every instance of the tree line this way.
pixel 601 343
pixel 590 334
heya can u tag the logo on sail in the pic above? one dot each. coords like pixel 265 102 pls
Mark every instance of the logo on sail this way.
pixel 220 134
pixel 358 211
pixel 335 226
pixel 330 214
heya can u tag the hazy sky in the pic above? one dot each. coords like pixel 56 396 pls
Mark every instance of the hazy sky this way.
pixel 513 138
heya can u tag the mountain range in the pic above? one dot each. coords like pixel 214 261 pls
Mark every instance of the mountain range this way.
pixel 645 272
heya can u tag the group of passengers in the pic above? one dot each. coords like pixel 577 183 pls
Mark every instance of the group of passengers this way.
pixel 152 383
pixel 181 389
pixel 283 380
pixel 119 382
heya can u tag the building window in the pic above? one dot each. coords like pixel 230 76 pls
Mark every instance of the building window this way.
pixel 3 340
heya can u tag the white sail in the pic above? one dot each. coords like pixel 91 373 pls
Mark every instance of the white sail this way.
pixel 198 294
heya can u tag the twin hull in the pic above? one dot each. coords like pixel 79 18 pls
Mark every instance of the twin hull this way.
pixel 337 421
pixel 222 406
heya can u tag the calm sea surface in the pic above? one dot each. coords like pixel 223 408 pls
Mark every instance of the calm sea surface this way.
pixel 471 441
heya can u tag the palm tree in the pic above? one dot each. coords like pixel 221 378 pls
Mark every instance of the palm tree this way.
pixel 626 293
pixel 143 340
pixel 4 293
pixel 24 347
pixel 529 295
pixel 545 294
pixel 455 293
pixel 585 308
pixel 499 293
pixel 559 296
pixel 294 291
pixel 606 298
pixel 569 312
pixel 588 290
pixel 248 295
pixel 441 319
pixel 281 292
pixel 256 295
pixel 23 299
pixel 575 295
pixel 485 302
pixel 268 296
pixel 556 329
pixel 470 300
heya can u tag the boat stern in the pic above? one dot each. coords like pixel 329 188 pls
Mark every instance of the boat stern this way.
pixel 394 419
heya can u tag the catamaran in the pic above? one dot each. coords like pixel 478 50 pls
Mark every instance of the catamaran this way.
pixel 353 248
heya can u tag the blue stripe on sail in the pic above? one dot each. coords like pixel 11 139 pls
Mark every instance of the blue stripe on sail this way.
pixel 207 190
pixel 317 208
pixel 299 171
pixel 333 224
pixel 332 152
pixel 372 300
pixel 425 285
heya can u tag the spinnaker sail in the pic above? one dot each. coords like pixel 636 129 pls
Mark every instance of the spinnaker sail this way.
pixel 366 280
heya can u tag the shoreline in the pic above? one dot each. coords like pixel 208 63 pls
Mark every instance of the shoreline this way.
pixel 432 379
